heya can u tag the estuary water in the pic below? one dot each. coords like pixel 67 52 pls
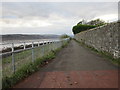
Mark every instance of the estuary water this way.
pixel 8 43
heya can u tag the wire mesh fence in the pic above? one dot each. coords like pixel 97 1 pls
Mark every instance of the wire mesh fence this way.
pixel 15 58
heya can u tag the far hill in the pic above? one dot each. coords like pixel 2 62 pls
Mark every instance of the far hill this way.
pixel 26 37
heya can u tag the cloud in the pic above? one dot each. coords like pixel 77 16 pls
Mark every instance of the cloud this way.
pixel 60 1
pixel 53 17
pixel 13 23
pixel 109 17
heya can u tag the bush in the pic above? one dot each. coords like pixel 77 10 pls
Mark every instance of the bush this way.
pixel 79 28
pixel 64 36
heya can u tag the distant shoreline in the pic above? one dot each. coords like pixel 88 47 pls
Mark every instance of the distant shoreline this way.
pixel 22 37
pixel 6 46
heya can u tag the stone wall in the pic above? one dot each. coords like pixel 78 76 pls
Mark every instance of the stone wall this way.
pixel 103 38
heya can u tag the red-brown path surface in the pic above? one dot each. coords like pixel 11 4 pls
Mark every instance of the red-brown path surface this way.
pixel 74 67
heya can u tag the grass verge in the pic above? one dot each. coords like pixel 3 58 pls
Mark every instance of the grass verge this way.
pixel 28 69
pixel 102 53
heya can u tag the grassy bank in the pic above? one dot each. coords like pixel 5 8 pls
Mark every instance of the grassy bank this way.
pixel 102 53
pixel 22 58
pixel 29 68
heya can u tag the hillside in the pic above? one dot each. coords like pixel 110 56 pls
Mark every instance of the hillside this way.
pixel 26 37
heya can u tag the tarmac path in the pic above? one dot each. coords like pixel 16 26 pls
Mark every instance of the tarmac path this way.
pixel 74 67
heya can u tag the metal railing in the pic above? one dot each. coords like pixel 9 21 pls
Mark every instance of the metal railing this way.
pixel 15 58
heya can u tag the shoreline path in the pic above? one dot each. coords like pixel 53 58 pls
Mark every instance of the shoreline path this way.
pixel 74 67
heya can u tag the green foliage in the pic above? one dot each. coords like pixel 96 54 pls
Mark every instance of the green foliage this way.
pixel 82 25
pixel 28 69
pixel 64 36
pixel 79 28
pixel 20 54
pixel 97 22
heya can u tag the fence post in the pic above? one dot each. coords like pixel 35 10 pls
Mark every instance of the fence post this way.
pixel 62 42
pixel 48 46
pixel 38 44
pixel 55 44
pixel 32 51
pixel 13 60
pixel 52 45
pixel 24 45
pixel 43 48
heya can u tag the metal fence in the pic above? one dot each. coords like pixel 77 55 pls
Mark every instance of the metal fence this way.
pixel 16 57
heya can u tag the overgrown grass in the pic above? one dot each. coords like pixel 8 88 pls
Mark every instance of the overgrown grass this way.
pixel 21 54
pixel 20 58
pixel 25 71
pixel 102 53
pixel 29 68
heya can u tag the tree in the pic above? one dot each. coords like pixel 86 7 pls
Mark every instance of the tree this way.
pixel 82 25
pixel 96 22
pixel 64 36
pixel 79 28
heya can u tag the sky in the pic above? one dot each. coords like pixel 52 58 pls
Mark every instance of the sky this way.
pixel 52 17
